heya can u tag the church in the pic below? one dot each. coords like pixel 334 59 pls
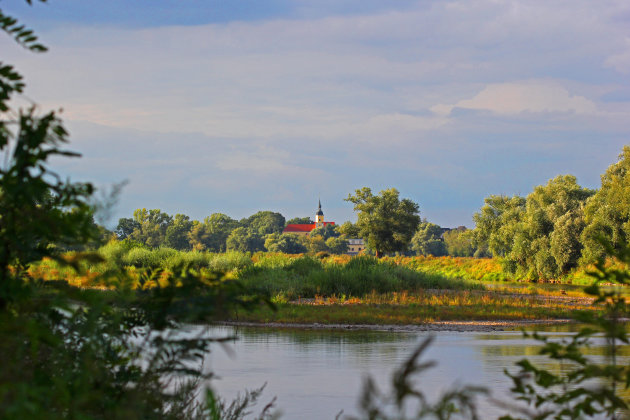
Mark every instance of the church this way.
pixel 306 228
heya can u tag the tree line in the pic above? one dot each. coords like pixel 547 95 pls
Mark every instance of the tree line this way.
pixel 219 232
pixel 556 228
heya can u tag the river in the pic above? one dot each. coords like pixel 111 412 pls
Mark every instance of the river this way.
pixel 317 373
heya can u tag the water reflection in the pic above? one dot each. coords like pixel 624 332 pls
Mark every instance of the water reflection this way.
pixel 317 373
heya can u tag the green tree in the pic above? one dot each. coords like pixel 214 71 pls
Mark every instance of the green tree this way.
pixel 548 243
pixel 300 221
pixel 315 244
pixel 326 231
pixel 337 245
pixel 349 230
pixel 496 223
pixel 125 227
pixel 459 242
pixel 177 233
pixel 284 242
pixel 245 240
pixel 152 225
pixel 212 234
pixel 264 222
pixel 607 213
pixel 75 353
pixel 385 222
pixel 428 240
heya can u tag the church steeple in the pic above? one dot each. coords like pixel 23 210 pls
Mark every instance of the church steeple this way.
pixel 319 216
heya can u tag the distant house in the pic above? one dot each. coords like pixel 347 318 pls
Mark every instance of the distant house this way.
pixel 355 246
pixel 306 228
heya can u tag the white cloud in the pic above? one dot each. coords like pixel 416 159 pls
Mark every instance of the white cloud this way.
pixel 519 97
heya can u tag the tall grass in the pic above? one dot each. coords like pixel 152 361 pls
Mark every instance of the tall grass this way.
pixel 306 277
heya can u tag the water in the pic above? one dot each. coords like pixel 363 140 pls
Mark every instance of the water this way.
pixel 317 373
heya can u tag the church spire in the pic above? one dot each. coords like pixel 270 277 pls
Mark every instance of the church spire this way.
pixel 319 216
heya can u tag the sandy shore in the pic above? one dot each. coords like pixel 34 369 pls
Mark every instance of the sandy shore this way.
pixel 460 326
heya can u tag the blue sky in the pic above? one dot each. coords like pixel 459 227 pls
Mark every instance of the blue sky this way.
pixel 239 106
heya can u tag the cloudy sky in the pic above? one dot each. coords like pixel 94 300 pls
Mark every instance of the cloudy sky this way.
pixel 239 106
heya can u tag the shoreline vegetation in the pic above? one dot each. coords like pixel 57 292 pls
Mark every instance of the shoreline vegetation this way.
pixel 341 290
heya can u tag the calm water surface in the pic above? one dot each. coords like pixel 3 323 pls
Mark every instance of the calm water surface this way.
pixel 317 373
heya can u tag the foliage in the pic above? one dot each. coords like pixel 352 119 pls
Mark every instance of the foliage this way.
pixel 349 230
pixel 337 245
pixel 607 213
pixel 284 242
pixel 327 231
pixel 264 222
pixel 428 240
pixel 152 225
pixel 300 221
pixel 459 242
pixel 74 353
pixel 537 237
pixel 244 240
pixel 177 232
pixel 385 222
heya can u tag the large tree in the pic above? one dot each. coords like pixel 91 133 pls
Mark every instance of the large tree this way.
pixel 428 240
pixel 384 221
pixel 264 222
pixel 177 233
pixel 607 213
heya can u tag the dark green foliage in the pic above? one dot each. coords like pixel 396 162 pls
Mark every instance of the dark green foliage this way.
pixel 264 222
pixel 177 233
pixel 284 242
pixel 428 240
pixel 300 221
pixel 126 227
pixel 385 222
pixel 607 213
pixel 245 240
pixel 537 237
pixel 326 231
pixel 70 353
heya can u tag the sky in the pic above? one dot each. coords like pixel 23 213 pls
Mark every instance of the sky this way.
pixel 240 106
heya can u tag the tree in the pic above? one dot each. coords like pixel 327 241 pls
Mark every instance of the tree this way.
pixel 125 227
pixel 212 234
pixel 349 230
pixel 244 240
pixel 337 245
pixel 177 233
pixel 80 353
pixel 284 242
pixel 495 223
pixel 428 240
pixel 152 225
pixel 607 213
pixel 300 221
pixel 384 221
pixel 459 242
pixel 326 231
pixel 264 222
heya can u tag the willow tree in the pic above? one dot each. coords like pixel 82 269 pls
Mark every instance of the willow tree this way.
pixel 607 213
pixel 385 222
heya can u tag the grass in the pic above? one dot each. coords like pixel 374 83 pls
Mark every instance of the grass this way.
pixel 406 308
pixel 341 289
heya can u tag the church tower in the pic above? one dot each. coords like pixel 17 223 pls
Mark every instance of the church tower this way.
pixel 319 216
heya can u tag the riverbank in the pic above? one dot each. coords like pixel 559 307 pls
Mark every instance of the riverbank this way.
pixel 453 326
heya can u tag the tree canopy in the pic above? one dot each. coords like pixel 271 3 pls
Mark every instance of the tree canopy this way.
pixel 384 221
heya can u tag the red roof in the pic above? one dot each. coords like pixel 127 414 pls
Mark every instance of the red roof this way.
pixel 303 227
